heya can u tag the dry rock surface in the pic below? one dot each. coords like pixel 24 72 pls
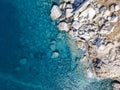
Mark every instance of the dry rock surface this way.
pixel 95 25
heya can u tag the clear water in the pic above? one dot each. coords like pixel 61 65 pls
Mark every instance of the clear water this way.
pixel 29 40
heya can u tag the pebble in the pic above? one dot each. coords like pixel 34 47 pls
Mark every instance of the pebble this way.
pixel 55 12
pixel 79 44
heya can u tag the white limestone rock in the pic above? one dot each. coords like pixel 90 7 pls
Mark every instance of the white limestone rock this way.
pixel 55 54
pixel 84 13
pixel 102 47
pixel 85 36
pixel 84 6
pixel 69 13
pixel 76 16
pixel 76 25
pixel 106 13
pixel 69 6
pixel 117 7
pixel 91 13
pixel 72 1
pixel 55 12
pixel 63 26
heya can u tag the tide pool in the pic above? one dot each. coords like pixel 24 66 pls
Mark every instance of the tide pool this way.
pixel 35 55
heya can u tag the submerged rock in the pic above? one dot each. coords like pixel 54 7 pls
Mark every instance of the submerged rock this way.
pixel 55 54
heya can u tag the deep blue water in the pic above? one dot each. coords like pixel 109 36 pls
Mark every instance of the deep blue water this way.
pixel 28 39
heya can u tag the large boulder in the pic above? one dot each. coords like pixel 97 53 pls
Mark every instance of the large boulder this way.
pixel 63 26
pixel 55 12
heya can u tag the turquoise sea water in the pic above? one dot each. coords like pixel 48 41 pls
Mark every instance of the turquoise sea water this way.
pixel 34 55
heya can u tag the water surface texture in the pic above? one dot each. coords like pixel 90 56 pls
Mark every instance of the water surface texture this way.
pixel 34 55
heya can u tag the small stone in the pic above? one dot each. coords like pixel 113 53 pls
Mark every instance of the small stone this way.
pixel 76 16
pixel 69 13
pixel 102 47
pixel 91 34
pixel 55 12
pixel 91 13
pixel 83 6
pixel 80 32
pixel 52 47
pixel 76 25
pixel 69 6
pixel 79 44
pixel 112 7
pixel 72 1
pixel 85 36
pixel 101 22
pixel 111 29
pixel 102 9
pixel 109 18
pixel 117 7
pixel 64 6
pixel 55 54
pixel 63 26
pixel 114 18
pixel 106 13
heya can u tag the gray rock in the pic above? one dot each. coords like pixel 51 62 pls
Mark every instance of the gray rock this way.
pixel 114 18
pixel 102 9
pixel 80 6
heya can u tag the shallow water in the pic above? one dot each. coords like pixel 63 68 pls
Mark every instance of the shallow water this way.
pixel 29 42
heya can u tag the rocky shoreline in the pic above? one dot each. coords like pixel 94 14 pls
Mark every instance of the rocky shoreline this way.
pixel 95 26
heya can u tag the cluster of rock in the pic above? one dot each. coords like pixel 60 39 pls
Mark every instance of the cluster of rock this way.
pixel 89 23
